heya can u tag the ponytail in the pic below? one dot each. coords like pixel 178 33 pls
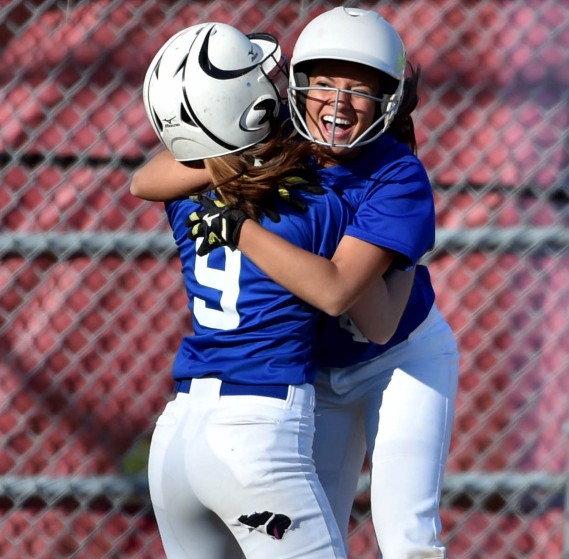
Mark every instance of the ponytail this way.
pixel 402 127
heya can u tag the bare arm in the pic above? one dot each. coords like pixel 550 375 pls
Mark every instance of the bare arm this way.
pixel 333 286
pixel 378 312
pixel 163 178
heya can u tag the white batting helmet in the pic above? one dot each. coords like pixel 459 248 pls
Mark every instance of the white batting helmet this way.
pixel 207 91
pixel 351 35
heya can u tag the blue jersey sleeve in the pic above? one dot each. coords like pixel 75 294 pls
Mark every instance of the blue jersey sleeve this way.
pixel 390 192
pixel 397 211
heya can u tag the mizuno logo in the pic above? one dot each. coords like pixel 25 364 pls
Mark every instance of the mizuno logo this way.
pixel 168 122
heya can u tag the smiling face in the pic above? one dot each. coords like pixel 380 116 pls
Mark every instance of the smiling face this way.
pixel 342 112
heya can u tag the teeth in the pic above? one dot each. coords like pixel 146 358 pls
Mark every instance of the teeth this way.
pixel 341 121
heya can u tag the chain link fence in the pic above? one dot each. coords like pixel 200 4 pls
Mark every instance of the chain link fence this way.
pixel 91 299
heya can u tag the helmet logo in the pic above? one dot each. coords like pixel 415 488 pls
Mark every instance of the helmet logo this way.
pixel 257 115
pixel 252 54
pixel 168 122
pixel 217 73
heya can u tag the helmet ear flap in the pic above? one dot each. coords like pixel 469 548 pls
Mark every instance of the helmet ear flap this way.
pixel 390 93
pixel 389 84
pixel 299 81
pixel 301 75
pixel 267 106
pixel 259 113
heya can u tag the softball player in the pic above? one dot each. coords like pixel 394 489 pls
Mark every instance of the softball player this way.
pixel 232 453
pixel 396 401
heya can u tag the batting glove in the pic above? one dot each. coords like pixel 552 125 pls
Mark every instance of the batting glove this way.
pixel 295 183
pixel 286 193
pixel 217 223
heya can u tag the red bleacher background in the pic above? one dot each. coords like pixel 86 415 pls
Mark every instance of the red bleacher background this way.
pixel 87 341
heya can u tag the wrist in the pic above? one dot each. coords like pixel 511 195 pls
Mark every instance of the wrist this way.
pixel 245 231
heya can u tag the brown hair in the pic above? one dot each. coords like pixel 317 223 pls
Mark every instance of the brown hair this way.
pixel 402 127
pixel 250 179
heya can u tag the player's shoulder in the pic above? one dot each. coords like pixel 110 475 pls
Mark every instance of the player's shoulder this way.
pixel 400 167
pixel 386 154
pixel 326 201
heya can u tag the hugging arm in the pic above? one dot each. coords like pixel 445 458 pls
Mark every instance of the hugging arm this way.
pixel 348 282
pixel 351 281
pixel 378 311
pixel 332 285
pixel 163 178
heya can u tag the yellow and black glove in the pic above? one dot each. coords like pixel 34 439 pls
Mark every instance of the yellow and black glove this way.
pixel 288 186
pixel 218 224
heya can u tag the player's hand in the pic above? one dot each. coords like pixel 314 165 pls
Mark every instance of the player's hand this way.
pixel 218 224
pixel 289 185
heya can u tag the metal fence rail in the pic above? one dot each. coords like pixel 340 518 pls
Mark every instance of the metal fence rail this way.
pixel 161 245
pixel 134 489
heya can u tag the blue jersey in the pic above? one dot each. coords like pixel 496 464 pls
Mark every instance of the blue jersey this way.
pixel 247 328
pixel 389 191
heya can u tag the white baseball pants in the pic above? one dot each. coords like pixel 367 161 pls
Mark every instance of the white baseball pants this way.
pixel 399 408
pixel 220 466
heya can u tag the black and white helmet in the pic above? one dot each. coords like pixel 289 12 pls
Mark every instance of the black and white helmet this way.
pixel 207 92
pixel 352 35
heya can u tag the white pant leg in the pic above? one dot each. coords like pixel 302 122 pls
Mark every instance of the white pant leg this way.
pixel 187 528
pixel 339 448
pixel 244 455
pixel 406 399
pixel 412 442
